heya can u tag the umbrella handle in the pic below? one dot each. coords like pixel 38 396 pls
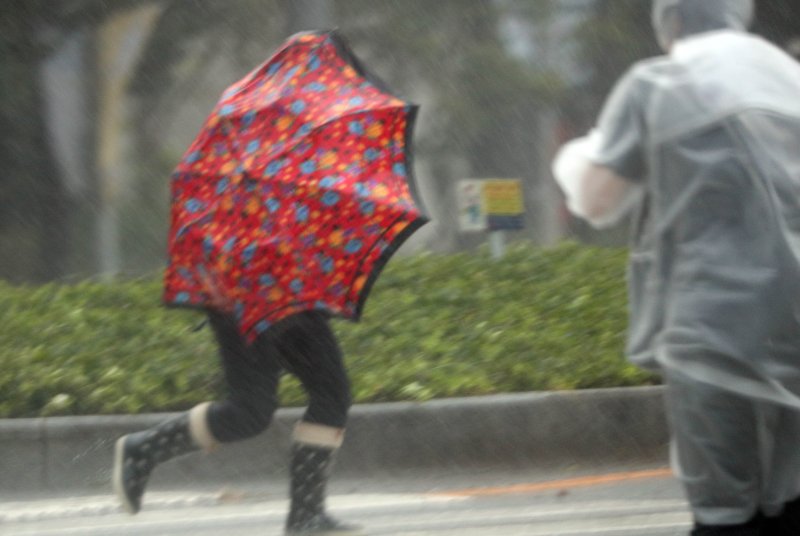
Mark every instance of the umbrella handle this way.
pixel 216 296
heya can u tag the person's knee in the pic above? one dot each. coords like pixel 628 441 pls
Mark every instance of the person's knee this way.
pixel 344 398
pixel 344 406
pixel 235 420
pixel 329 407
pixel 255 420
pixel 339 402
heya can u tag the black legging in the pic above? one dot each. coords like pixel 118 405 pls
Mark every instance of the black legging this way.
pixel 305 346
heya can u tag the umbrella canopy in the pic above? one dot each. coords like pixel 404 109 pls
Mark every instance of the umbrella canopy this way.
pixel 296 191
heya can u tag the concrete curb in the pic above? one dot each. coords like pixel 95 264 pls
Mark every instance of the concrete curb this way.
pixel 63 454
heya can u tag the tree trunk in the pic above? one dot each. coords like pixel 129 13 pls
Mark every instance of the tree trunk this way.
pixel 54 222
pixel 118 45
pixel 37 231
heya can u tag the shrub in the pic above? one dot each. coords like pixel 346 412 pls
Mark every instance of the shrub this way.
pixel 434 326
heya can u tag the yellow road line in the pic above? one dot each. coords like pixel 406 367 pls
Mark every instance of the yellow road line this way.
pixel 566 484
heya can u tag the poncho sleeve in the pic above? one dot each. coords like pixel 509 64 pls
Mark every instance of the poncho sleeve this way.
pixel 622 128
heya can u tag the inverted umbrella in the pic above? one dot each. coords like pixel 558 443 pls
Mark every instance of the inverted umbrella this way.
pixel 296 191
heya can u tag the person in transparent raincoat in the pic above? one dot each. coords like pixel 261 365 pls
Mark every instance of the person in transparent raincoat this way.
pixel 703 145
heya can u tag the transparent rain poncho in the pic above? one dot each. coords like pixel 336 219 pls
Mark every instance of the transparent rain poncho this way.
pixel 711 133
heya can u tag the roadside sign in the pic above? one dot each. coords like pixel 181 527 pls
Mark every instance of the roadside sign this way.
pixel 504 205
pixel 493 205
pixel 471 205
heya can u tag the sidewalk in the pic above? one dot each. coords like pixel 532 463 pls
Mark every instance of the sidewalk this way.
pixel 73 454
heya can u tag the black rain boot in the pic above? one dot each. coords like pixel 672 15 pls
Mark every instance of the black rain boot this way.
pixel 787 523
pixel 754 527
pixel 310 470
pixel 138 453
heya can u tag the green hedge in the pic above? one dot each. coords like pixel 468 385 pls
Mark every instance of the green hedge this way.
pixel 434 326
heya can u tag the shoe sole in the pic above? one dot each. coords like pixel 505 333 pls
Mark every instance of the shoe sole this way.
pixel 119 488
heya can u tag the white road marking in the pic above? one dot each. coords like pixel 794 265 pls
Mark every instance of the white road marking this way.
pixel 385 514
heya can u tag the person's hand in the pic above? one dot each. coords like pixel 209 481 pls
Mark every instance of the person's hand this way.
pixel 217 299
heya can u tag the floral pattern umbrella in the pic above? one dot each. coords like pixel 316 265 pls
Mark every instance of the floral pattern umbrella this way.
pixel 296 191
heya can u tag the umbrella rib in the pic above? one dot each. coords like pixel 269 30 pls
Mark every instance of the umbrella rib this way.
pixel 383 258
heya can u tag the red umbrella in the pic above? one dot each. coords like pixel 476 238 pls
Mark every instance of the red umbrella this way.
pixel 296 192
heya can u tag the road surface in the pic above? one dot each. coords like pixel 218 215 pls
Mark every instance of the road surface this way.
pixel 640 501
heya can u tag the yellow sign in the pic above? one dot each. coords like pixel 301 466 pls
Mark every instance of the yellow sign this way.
pixel 490 204
pixel 503 197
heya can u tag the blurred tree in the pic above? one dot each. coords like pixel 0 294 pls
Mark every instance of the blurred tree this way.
pixel 35 219
pixel 779 21
pixel 303 15
pixel 34 208
pixel 481 103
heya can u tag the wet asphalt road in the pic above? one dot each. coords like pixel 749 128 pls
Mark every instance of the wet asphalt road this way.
pixel 608 501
